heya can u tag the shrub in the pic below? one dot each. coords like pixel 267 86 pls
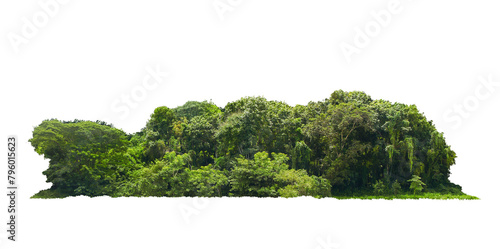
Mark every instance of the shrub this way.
pixel 416 184
pixel 379 187
pixel 396 187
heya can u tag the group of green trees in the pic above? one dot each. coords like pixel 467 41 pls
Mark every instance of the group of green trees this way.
pixel 342 145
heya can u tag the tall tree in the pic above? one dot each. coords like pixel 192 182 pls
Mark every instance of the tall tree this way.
pixel 85 157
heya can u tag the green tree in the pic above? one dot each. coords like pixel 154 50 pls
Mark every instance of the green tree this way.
pixel 159 134
pixel 256 177
pixel 344 144
pixel 301 156
pixel 161 122
pixel 85 157
pixel 344 133
pixel 207 182
pixel 199 139
pixel 416 184
pixel 379 187
pixel 193 109
pixel 396 187
pixel 296 183
pixel 245 128
pixel 165 177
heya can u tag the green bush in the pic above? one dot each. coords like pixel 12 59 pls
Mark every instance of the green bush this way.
pixel 379 187
pixel 396 187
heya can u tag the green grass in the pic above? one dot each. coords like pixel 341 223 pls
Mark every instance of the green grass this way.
pixel 433 196
pixel 57 194
pixel 50 194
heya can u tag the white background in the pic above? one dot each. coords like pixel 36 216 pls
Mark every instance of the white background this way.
pixel 90 53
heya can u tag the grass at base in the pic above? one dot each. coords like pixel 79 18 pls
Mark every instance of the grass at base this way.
pixel 56 194
pixel 49 194
pixel 433 196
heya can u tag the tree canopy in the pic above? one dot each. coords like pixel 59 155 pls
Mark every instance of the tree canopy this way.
pixel 344 144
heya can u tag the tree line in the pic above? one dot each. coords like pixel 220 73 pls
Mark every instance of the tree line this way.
pixel 343 145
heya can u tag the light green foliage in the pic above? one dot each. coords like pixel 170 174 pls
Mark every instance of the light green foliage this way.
pixel 379 187
pixel 355 97
pixel 257 177
pixel 410 146
pixel 161 123
pixel 193 109
pixel 298 183
pixel 158 133
pixel 416 184
pixel 85 157
pixel 206 182
pixel 265 176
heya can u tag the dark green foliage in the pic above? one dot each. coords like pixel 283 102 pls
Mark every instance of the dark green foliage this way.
pixel 301 156
pixel 199 139
pixel 164 177
pixel 396 187
pixel 345 145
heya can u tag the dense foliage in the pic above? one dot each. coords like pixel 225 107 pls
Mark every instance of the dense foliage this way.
pixel 344 145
